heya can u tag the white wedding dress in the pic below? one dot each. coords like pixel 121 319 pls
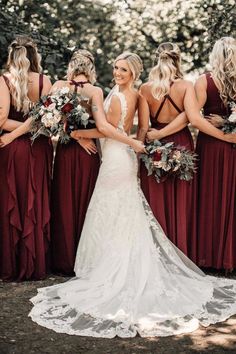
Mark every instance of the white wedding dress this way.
pixel 129 277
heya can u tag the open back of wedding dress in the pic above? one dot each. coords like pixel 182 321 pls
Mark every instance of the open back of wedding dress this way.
pixel 129 277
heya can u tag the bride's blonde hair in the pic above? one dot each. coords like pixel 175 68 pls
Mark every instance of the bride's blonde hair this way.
pixel 223 64
pixel 167 69
pixel 134 62
pixel 22 58
pixel 82 62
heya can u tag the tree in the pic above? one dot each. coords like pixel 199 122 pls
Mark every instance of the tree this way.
pixel 107 28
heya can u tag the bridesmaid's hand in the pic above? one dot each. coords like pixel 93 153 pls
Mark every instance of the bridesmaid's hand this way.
pixel 88 145
pixel 6 139
pixel 153 134
pixel 215 120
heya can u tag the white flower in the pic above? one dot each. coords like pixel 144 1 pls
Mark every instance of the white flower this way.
pixel 85 116
pixel 64 90
pixel 232 118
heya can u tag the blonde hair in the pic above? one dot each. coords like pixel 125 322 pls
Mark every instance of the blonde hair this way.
pixel 134 62
pixel 223 63
pixel 22 58
pixel 82 62
pixel 167 69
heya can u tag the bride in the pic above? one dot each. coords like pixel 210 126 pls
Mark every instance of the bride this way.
pixel 129 277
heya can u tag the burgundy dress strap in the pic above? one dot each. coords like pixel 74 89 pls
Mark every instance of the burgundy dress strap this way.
pixel 173 103
pixel 160 108
pixel 40 84
pixel 78 84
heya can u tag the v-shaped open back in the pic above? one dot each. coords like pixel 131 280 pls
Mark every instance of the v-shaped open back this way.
pixel 166 97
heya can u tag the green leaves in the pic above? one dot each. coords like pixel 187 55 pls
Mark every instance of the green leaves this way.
pixel 108 28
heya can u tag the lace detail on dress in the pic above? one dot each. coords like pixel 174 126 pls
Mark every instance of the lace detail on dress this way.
pixel 129 277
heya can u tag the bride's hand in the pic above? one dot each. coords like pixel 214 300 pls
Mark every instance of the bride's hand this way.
pixel 138 146
pixel 88 145
pixel 6 139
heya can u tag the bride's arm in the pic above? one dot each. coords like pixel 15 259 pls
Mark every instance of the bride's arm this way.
pixel 107 129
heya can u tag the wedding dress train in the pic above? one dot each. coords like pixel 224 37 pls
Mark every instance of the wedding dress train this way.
pixel 129 277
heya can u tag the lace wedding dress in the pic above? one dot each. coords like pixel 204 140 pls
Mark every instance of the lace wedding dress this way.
pixel 129 277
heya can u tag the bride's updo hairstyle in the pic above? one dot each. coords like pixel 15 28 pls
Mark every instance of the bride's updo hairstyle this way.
pixel 82 62
pixel 23 57
pixel 166 70
pixel 223 65
pixel 134 62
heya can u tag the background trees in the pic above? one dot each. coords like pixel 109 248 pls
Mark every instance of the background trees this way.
pixel 109 27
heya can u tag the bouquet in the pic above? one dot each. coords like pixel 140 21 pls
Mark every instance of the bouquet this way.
pixel 229 125
pixel 164 160
pixel 58 114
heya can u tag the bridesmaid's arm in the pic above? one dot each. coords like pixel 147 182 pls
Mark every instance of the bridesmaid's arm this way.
pixel 201 93
pixel 11 124
pixel 6 139
pixel 177 124
pixel 5 101
pixel 24 127
pixel 191 106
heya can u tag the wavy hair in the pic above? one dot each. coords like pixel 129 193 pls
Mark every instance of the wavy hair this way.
pixel 134 62
pixel 22 58
pixel 223 64
pixel 166 70
pixel 82 62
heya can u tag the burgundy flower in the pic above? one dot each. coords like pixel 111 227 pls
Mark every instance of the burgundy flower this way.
pixel 48 102
pixel 67 107
pixel 157 156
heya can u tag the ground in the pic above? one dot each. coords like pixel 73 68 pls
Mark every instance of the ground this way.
pixel 19 335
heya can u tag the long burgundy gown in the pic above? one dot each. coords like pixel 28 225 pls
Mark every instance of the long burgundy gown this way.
pixel 74 177
pixel 217 192
pixel 173 201
pixel 25 179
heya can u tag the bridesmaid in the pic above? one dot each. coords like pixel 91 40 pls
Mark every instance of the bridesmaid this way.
pixel 76 166
pixel 164 99
pixel 25 172
pixel 75 172
pixel 217 163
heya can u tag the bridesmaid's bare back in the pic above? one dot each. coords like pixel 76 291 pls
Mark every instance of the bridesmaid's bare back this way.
pixel 168 112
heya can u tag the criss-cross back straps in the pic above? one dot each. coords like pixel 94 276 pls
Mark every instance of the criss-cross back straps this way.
pixel 162 104
pixel 78 84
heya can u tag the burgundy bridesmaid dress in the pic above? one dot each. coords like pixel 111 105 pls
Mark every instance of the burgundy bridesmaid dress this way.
pixel 173 201
pixel 74 177
pixel 217 192
pixel 25 178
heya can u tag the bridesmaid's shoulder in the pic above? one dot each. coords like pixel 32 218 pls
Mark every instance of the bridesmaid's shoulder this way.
pixel 201 82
